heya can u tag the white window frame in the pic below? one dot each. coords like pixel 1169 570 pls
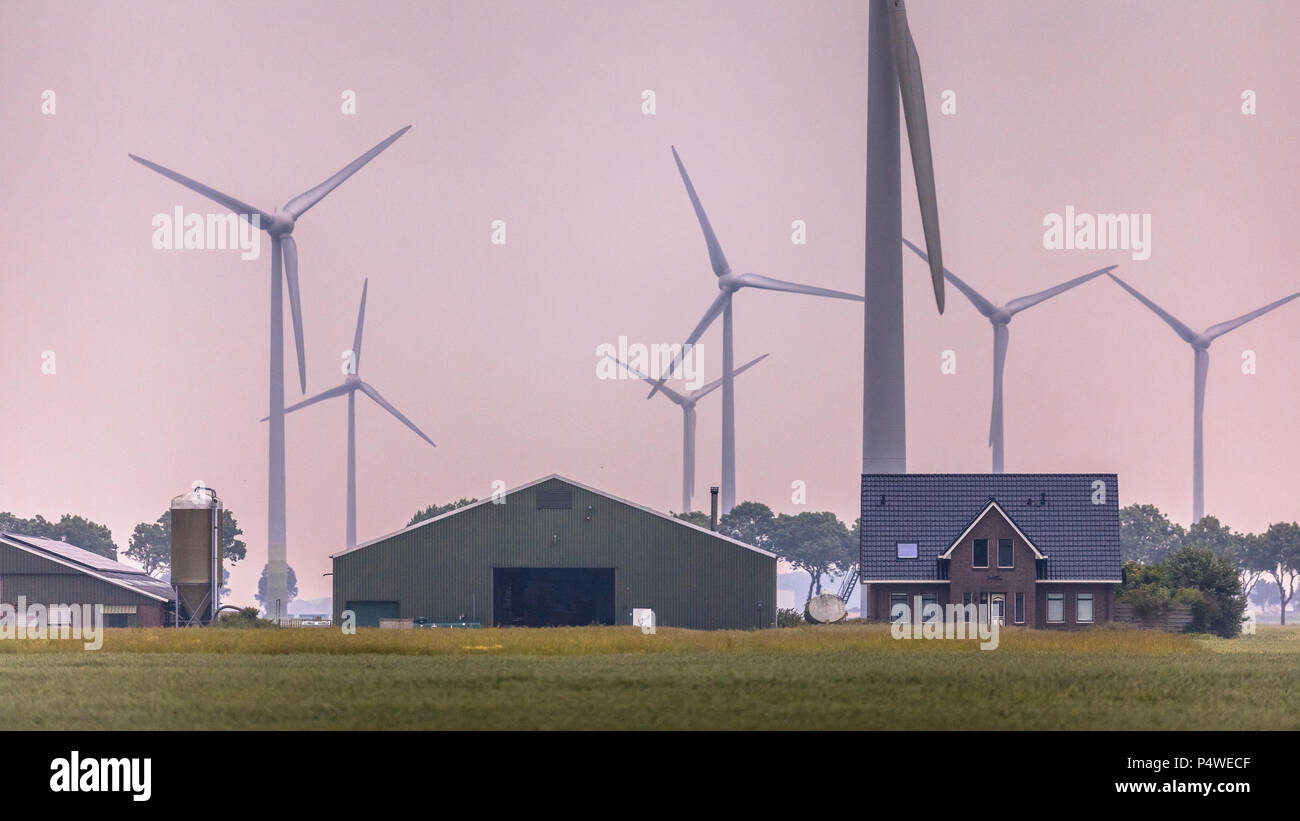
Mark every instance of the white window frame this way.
pixel 915 550
pixel 1079 598
pixel 894 603
pixel 984 566
pixel 1060 597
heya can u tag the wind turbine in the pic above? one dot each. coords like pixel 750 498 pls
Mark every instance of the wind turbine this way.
pixel 351 384
pixel 728 284
pixel 1000 317
pixel 892 67
pixel 1200 343
pixel 687 402
pixel 279 225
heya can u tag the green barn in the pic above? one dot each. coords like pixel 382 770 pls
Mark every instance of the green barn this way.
pixel 556 552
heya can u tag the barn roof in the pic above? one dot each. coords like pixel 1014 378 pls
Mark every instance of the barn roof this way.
pixel 556 476
pixel 92 564
pixel 1071 518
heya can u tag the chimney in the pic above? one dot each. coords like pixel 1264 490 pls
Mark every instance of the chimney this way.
pixel 713 512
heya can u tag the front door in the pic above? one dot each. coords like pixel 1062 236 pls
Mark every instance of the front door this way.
pixel 998 608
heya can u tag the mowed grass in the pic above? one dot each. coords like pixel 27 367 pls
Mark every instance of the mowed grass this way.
pixel 834 677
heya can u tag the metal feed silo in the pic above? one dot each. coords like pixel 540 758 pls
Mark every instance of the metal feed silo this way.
pixel 196 554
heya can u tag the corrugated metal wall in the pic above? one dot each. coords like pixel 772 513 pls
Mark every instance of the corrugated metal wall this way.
pixel 47 582
pixel 439 570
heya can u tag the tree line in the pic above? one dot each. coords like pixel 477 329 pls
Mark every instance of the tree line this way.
pixel 1266 565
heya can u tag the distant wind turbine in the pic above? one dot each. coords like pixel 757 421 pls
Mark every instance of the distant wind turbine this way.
pixel 728 283
pixel 279 225
pixel 1200 343
pixel 893 68
pixel 1000 317
pixel 351 384
pixel 687 403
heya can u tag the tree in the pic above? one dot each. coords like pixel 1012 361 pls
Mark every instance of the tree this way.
pixel 437 510
pixel 1276 553
pixel 695 517
pixel 151 543
pixel 75 530
pixel 1146 535
pixel 817 543
pixel 1191 575
pixel 261 591
pixel 748 522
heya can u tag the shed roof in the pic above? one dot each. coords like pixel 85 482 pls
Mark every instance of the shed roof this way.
pixel 556 476
pixel 92 564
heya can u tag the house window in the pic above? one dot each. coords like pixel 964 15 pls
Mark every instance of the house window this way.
pixel 965 606
pixel 927 601
pixel 897 606
pixel 1020 608
pixel 984 608
pixel 906 550
pixel 981 553
pixel 1004 553
pixel 1055 608
pixel 1083 608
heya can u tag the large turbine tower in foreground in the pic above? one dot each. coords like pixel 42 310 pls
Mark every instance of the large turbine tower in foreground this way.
pixel 892 68
pixel 279 225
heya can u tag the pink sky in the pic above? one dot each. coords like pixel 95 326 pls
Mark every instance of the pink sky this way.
pixel 530 113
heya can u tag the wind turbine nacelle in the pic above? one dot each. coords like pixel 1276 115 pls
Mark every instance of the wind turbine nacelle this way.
pixel 730 282
pixel 281 223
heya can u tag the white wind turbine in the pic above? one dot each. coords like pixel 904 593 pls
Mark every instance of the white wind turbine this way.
pixel 351 384
pixel 893 67
pixel 1200 343
pixel 279 225
pixel 728 284
pixel 1000 317
pixel 687 403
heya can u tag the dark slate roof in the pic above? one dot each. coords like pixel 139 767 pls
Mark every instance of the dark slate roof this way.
pixel 1079 538
pixel 114 572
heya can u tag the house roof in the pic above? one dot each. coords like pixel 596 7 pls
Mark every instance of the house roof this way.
pixel 556 476
pixel 1053 511
pixel 92 564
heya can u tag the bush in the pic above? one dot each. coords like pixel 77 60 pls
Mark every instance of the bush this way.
pixel 247 617
pixel 788 617
pixel 1193 576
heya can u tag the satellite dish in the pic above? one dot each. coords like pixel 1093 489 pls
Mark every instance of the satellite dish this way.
pixel 826 608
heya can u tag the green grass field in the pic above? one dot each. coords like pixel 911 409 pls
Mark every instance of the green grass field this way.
pixel 834 677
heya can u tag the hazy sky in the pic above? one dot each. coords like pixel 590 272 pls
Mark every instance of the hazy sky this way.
pixel 530 112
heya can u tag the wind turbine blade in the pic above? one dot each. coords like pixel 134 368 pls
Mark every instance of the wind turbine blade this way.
pixel 908 65
pixel 1019 304
pixel 770 284
pixel 238 206
pixel 361 321
pixel 295 303
pixel 1188 335
pixel 1215 331
pixel 320 397
pixel 669 392
pixel 716 258
pixel 383 403
pixel 299 204
pixel 976 298
pixel 715 384
pixel 718 304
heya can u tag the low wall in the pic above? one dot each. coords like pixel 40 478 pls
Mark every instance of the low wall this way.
pixel 1175 618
